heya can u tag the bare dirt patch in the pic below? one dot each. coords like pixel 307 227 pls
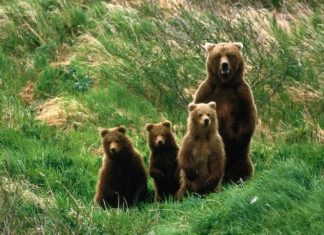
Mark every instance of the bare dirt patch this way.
pixel 62 111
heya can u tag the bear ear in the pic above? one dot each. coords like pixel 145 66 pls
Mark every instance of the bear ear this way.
pixel 121 129
pixel 149 127
pixel 167 123
pixel 239 45
pixel 209 46
pixel 212 105
pixel 103 132
pixel 191 106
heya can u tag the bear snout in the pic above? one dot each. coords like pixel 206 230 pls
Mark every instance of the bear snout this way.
pixel 225 67
pixel 159 140
pixel 113 148
pixel 206 122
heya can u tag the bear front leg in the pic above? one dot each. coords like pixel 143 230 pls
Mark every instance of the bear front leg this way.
pixel 107 199
pixel 156 173
pixel 179 195
pixel 140 193
pixel 204 93
pixel 247 120
pixel 190 173
pixel 187 165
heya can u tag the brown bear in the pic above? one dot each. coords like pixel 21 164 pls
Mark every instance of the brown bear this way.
pixel 236 111
pixel 163 159
pixel 122 178
pixel 201 156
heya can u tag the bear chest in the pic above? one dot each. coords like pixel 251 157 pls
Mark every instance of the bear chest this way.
pixel 121 176
pixel 226 103
pixel 165 162
pixel 201 151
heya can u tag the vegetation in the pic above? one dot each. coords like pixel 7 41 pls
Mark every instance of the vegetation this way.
pixel 138 63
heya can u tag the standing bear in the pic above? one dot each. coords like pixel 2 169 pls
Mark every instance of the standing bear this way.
pixel 236 111
pixel 122 178
pixel 201 156
pixel 163 159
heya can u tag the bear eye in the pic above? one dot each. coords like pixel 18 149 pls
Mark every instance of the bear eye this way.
pixel 200 114
pixel 230 55
pixel 208 114
pixel 217 57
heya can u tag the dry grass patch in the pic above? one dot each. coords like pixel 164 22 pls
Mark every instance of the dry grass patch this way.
pixel 320 135
pixel 302 94
pixel 63 56
pixel 24 190
pixel 62 111
pixel 27 94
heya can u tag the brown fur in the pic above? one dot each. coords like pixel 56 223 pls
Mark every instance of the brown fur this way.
pixel 201 155
pixel 122 178
pixel 236 111
pixel 163 159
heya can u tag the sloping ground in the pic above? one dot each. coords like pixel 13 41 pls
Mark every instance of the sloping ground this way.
pixel 70 67
pixel 58 111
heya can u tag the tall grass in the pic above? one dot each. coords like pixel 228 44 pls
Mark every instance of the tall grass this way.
pixel 133 65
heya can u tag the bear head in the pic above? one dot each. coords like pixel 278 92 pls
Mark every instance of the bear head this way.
pixel 160 135
pixel 115 142
pixel 225 61
pixel 202 116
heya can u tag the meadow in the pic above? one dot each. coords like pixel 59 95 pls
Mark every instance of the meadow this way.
pixel 70 67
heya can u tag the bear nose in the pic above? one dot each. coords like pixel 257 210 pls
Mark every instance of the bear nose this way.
pixel 206 121
pixel 225 66
pixel 160 142
pixel 113 150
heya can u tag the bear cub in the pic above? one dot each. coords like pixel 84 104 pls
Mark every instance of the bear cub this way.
pixel 122 178
pixel 201 155
pixel 163 159
pixel 236 111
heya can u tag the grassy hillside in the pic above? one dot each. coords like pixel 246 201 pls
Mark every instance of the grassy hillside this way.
pixel 70 67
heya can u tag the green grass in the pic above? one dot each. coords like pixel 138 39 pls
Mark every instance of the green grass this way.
pixel 132 66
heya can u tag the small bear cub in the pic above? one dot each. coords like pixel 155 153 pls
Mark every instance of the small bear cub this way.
pixel 163 159
pixel 122 178
pixel 201 155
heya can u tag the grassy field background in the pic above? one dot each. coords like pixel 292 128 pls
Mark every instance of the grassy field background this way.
pixel 70 67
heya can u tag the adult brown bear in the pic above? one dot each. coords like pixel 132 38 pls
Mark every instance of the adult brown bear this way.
pixel 236 111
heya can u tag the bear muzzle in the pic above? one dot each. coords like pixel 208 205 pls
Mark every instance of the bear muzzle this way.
pixel 205 121
pixel 225 67
pixel 159 141
pixel 113 148
pixel 225 70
